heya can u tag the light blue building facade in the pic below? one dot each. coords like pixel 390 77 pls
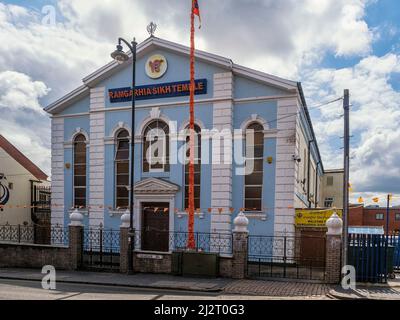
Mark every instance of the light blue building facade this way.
pixel 91 131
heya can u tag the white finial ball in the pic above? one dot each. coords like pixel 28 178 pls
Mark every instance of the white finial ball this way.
pixel 76 218
pixel 334 224
pixel 241 223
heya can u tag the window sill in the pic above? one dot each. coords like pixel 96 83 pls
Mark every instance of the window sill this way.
pixel 201 215
pixel 256 215
pixel 114 212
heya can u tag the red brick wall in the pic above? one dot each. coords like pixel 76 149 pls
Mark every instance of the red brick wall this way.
pixel 356 216
pixel 359 216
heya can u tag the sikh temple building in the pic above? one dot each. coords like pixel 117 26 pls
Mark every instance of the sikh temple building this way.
pixel 92 130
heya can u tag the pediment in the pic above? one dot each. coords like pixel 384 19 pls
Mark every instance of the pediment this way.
pixel 156 186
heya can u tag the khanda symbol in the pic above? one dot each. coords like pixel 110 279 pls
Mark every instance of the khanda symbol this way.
pixel 4 194
pixel 156 65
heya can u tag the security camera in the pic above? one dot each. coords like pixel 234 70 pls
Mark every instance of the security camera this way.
pixel 296 158
pixel 1 176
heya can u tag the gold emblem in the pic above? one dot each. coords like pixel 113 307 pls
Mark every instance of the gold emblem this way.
pixel 156 66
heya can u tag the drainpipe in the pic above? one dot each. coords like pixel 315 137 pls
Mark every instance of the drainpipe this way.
pixel 316 186
pixel 308 172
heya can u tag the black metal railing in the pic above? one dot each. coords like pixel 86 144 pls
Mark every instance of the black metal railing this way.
pixel 17 233
pixel 35 234
pixel 101 249
pixel 288 256
pixel 161 241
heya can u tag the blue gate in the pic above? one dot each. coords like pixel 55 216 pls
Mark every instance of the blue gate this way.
pixel 372 256
pixel 394 241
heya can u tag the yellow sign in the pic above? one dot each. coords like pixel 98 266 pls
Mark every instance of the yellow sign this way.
pixel 314 218
pixel 156 66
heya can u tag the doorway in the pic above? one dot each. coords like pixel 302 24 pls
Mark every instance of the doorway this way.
pixel 155 226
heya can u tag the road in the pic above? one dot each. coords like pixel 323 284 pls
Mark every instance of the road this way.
pixel 32 290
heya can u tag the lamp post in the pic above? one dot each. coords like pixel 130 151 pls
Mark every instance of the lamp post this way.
pixel 121 57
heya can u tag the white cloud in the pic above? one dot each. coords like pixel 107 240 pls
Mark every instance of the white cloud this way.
pixel 278 37
pixel 17 91
pixel 375 118
pixel 57 55
pixel 22 120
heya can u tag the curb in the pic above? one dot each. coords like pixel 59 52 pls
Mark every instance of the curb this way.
pixel 188 289
pixel 344 296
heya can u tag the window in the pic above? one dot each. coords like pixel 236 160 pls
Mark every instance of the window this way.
pixel 156 147
pixel 329 181
pixel 254 167
pixel 397 216
pixel 379 216
pixel 122 170
pixel 80 171
pixel 328 202
pixel 197 167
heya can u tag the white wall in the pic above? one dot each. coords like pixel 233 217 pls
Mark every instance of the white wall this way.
pixel 301 171
pixel 20 195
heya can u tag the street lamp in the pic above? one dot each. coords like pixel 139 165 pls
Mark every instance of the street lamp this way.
pixel 121 57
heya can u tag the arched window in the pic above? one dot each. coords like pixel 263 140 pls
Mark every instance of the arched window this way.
pixel 122 170
pixel 156 147
pixel 197 167
pixel 254 167
pixel 80 171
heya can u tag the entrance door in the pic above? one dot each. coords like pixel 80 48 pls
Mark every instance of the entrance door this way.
pixel 155 227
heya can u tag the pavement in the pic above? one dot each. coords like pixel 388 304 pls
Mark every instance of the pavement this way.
pixel 389 291
pixel 152 281
pixel 221 286
pixel 295 290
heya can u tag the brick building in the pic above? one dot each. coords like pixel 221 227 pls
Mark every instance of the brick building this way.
pixel 374 217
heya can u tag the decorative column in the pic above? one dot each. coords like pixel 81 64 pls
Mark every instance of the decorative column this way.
pixel 57 171
pixel 76 239
pixel 333 249
pixel 240 246
pixel 221 179
pixel 124 242
pixel 96 157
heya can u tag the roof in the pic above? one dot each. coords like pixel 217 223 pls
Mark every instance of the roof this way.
pixel 22 159
pixel 152 43
pixel 308 117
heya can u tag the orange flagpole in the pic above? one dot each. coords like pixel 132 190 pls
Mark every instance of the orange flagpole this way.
pixel 191 240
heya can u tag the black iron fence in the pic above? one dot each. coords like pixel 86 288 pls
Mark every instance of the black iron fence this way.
pixel 101 249
pixel 35 234
pixel 161 241
pixel 288 256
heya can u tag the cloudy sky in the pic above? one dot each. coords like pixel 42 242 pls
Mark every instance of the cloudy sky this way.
pixel 328 45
